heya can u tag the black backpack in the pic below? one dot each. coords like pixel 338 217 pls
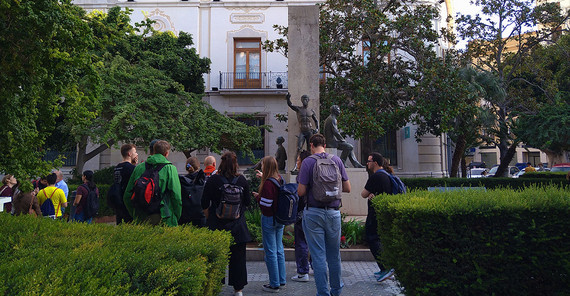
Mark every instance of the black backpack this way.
pixel 146 191
pixel 229 207
pixel 115 192
pixel 287 203
pixel 91 206
pixel 191 192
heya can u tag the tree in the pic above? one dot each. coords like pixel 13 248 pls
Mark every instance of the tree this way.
pixel 396 79
pixel 44 52
pixel 151 84
pixel 547 126
pixel 499 45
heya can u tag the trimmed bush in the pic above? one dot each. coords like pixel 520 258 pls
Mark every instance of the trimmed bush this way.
pixel 544 175
pixel 489 183
pixel 49 257
pixel 495 242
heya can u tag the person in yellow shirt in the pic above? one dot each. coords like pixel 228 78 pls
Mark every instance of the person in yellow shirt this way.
pixel 56 195
pixel 529 168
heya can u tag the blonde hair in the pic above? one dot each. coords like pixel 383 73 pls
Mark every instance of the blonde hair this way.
pixel 269 169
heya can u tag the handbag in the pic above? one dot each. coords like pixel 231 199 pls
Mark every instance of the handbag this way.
pixel 31 211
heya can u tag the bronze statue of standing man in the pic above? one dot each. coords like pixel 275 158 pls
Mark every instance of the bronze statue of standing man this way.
pixel 304 117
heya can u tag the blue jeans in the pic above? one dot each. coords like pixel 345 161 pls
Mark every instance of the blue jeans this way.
pixel 81 218
pixel 322 231
pixel 274 253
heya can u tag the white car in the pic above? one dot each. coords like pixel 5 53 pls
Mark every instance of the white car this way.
pixel 476 173
pixel 512 171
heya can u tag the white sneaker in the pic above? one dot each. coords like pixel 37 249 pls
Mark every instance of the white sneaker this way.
pixel 238 293
pixel 301 278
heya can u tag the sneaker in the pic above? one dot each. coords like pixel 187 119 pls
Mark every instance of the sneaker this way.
pixel 301 278
pixel 385 275
pixel 238 293
pixel 377 274
pixel 282 286
pixel 268 288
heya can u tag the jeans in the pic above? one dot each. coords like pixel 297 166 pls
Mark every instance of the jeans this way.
pixel 322 231
pixel 274 253
pixel 81 218
pixel 301 248
pixel 371 230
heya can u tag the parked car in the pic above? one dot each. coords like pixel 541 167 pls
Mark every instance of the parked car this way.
pixel 512 171
pixel 476 173
pixel 477 165
pixel 561 167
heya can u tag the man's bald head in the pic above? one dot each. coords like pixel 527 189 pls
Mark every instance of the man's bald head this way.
pixel 210 160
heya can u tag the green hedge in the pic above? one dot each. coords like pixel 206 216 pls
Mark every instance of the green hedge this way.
pixel 48 257
pixel 489 183
pixel 495 242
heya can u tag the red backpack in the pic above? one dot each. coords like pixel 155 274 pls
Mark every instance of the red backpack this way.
pixel 146 191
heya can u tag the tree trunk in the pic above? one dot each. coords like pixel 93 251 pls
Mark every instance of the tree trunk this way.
pixel 463 167
pixel 502 169
pixel 457 155
pixel 83 156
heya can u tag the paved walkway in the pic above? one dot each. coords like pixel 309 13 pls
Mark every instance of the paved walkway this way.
pixel 358 278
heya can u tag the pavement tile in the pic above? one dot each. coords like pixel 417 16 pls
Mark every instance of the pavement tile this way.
pixel 358 278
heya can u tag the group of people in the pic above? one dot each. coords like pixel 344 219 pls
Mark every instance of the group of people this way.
pixel 317 227
pixel 49 198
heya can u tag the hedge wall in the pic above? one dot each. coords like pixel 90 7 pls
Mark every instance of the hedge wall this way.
pixel 489 183
pixel 48 257
pixel 495 242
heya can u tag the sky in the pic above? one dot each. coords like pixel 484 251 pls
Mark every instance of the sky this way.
pixel 463 7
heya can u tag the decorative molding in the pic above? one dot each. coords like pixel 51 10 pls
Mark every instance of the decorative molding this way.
pixel 247 9
pixel 243 18
pixel 162 23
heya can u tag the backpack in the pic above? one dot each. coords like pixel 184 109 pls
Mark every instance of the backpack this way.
pixel 327 180
pixel 115 192
pixel 192 191
pixel 398 186
pixel 146 191
pixel 230 201
pixel 287 203
pixel 47 208
pixel 91 206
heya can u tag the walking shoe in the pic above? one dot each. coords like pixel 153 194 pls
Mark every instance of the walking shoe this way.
pixel 301 278
pixel 385 275
pixel 268 288
pixel 240 293
pixel 377 274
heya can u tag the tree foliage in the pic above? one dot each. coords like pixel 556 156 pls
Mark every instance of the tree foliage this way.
pixel 499 44
pixel 151 88
pixel 399 80
pixel 44 52
pixel 547 126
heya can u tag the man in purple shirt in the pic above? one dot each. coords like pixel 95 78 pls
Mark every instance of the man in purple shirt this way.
pixel 321 222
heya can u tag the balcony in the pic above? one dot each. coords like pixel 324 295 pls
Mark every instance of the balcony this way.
pixel 253 80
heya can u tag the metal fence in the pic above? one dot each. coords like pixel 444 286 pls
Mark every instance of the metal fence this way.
pixel 232 80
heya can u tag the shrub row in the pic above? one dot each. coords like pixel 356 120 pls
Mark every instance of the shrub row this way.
pixel 544 175
pixel 495 242
pixel 49 257
pixel 489 183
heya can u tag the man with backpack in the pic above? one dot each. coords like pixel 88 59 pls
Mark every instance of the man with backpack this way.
pixel 321 179
pixel 153 192
pixel 380 180
pixel 51 198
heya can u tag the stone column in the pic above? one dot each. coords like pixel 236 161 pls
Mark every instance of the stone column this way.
pixel 303 68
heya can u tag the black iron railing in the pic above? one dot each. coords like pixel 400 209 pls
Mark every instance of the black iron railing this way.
pixel 232 80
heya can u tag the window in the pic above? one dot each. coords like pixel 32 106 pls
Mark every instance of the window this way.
pixel 385 145
pixel 258 152
pixel 247 63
